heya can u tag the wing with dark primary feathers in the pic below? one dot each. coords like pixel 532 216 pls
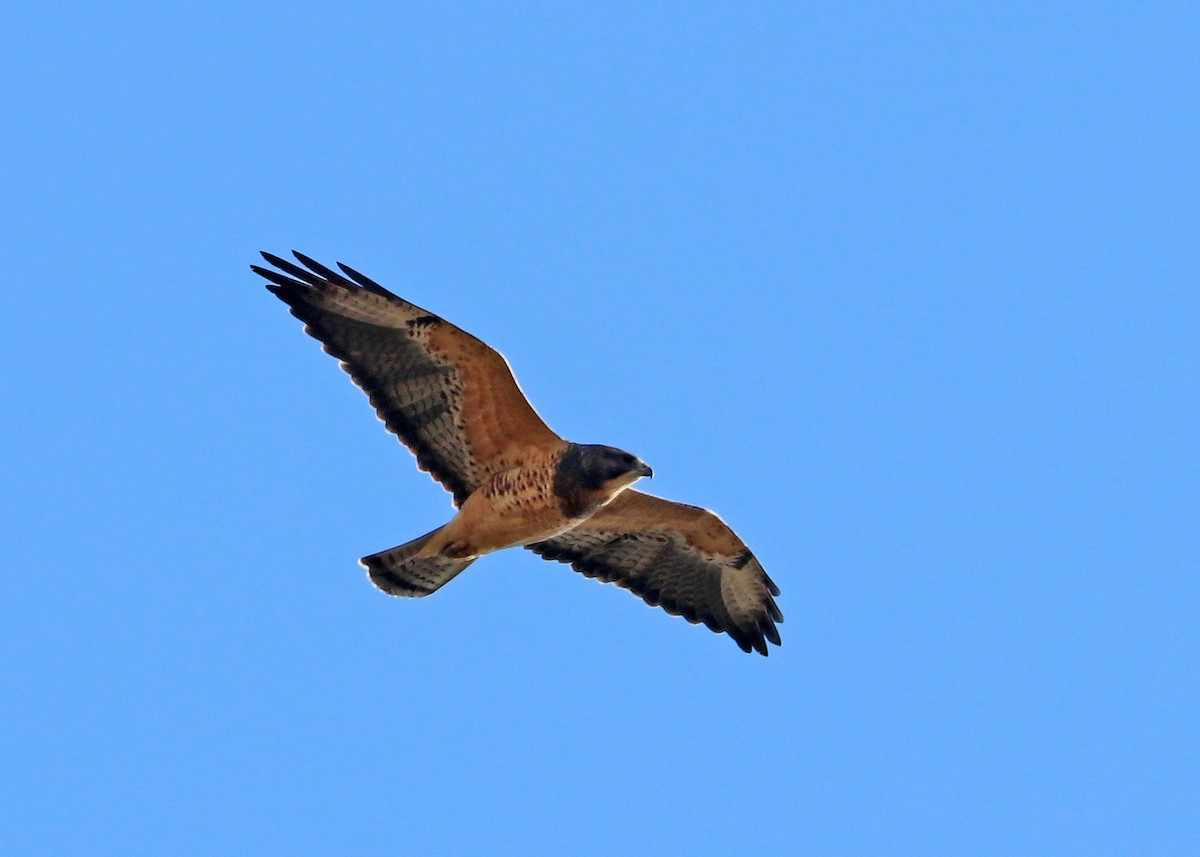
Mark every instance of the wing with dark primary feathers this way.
pixel 450 398
pixel 682 558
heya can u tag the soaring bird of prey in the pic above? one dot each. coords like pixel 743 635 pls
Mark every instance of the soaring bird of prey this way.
pixel 453 401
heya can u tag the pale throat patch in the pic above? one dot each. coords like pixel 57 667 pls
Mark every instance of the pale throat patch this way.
pixel 616 486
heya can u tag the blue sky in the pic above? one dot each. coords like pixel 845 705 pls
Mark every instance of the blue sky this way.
pixel 907 293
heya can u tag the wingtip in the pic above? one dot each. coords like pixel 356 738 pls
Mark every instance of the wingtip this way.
pixel 328 273
pixel 768 630
pixel 277 282
pixel 364 281
pixel 308 262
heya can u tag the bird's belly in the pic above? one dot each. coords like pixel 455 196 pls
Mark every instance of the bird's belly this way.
pixel 515 507
pixel 511 521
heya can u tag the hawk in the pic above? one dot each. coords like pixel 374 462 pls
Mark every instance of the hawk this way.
pixel 453 401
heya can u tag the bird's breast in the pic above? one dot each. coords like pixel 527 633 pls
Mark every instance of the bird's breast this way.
pixel 516 506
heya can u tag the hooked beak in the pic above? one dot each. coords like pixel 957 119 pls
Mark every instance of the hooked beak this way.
pixel 643 469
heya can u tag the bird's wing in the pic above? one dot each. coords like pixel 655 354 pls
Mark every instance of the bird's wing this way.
pixel 682 558
pixel 450 398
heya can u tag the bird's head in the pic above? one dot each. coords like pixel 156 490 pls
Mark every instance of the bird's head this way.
pixel 606 467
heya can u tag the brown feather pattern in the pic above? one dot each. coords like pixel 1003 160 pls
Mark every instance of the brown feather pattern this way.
pixel 682 558
pixel 454 402
pixel 450 398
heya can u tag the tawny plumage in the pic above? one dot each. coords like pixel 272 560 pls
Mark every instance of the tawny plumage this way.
pixel 453 401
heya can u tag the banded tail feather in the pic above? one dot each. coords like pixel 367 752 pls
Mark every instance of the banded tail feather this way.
pixel 399 571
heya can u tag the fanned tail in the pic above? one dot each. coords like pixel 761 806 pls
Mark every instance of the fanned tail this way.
pixel 398 571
